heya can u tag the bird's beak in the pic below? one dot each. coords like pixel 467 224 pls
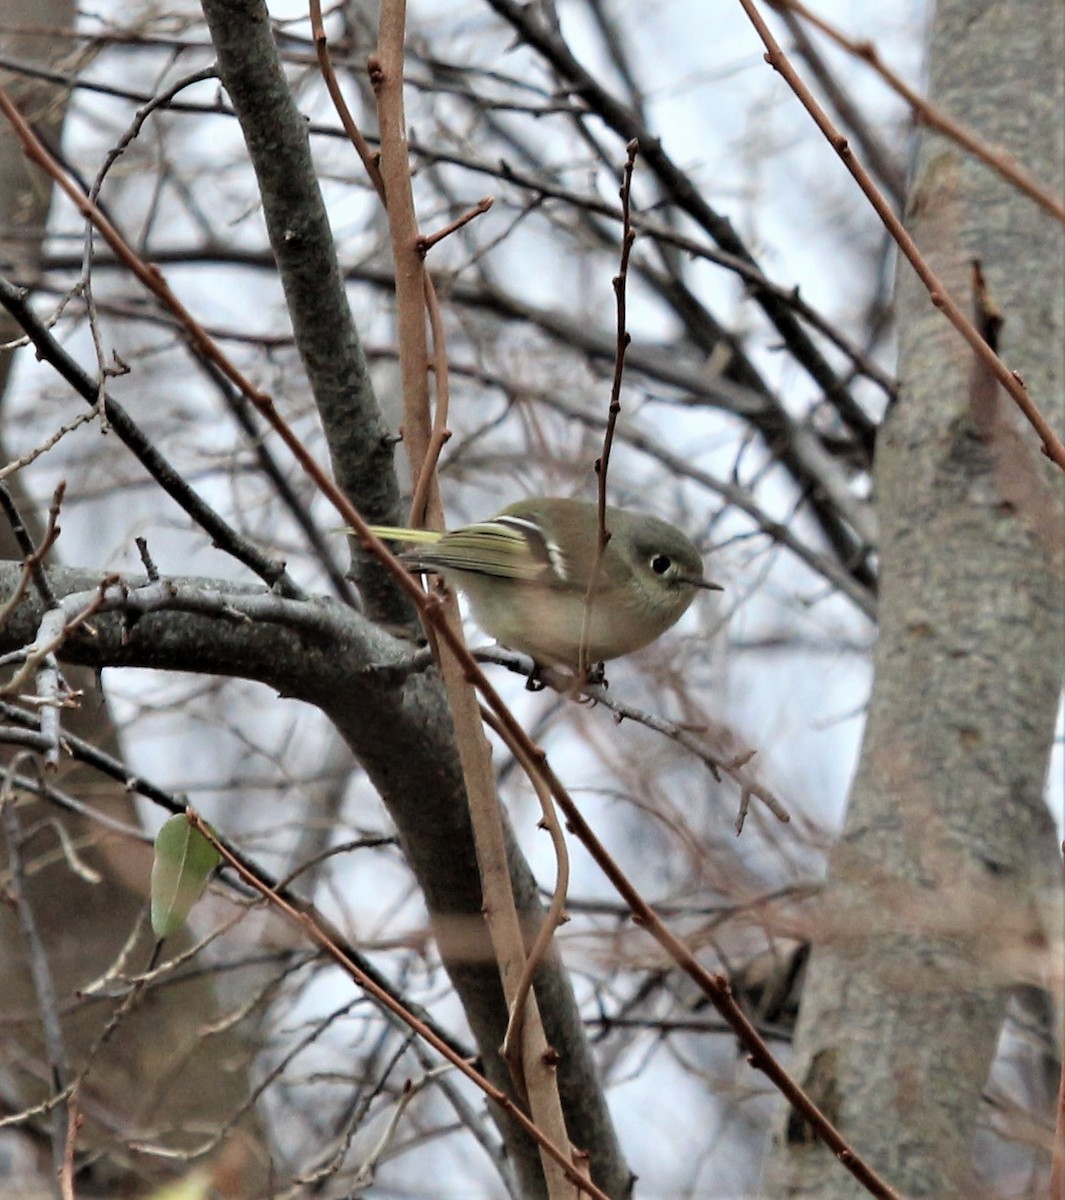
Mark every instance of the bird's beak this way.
pixel 706 584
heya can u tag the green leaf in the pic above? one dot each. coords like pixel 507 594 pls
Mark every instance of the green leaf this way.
pixel 184 860
pixel 197 1186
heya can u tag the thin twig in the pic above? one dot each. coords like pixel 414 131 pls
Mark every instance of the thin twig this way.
pixel 73 1123
pixel 153 104
pixel 440 433
pixel 619 283
pixel 719 764
pixel 428 240
pixel 16 464
pixel 733 765
pixel 370 160
pixel 86 285
pixel 602 463
pixel 330 1157
pixel 556 912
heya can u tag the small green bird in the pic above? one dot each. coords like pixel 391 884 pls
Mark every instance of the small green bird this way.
pixel 526 575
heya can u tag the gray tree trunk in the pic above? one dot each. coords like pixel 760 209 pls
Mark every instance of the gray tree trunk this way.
pixel 941 892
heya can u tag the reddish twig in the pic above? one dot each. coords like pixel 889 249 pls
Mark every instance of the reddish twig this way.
pixel 325 63
pixel 620 281
pixel 556 912
pixel 428 240
pixel 439 434
pixel 602 463
pixel 412 287
pixel 1053 447
pixel 66 1174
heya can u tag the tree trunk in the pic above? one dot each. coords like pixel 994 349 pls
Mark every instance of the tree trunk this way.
pixel 941 890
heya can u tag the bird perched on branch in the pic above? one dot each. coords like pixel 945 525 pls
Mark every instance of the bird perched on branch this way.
pixel 528 576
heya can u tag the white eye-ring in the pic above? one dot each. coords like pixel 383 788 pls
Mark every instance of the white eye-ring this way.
pixel 660 563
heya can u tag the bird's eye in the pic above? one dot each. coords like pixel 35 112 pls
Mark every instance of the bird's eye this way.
pixel 661 563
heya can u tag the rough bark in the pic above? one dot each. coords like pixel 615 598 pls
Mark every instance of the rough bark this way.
pixel 933 900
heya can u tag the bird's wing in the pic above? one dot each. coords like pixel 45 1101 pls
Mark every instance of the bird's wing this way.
pixel 509 547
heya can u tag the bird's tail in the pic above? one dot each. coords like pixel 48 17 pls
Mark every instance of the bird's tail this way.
pixel 390 533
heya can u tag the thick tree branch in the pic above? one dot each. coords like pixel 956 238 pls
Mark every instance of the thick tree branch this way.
pixel 360 444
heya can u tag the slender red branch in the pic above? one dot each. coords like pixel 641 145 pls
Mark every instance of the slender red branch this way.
pixel 556 912
pixel 439 434
pixel 602 463
pixel 351 128
pixel 628 236
pixel 428 240
pixel 74 1121
pixel 413 289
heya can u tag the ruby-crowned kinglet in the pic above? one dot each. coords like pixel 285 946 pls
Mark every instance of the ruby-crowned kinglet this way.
pixel 526 573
